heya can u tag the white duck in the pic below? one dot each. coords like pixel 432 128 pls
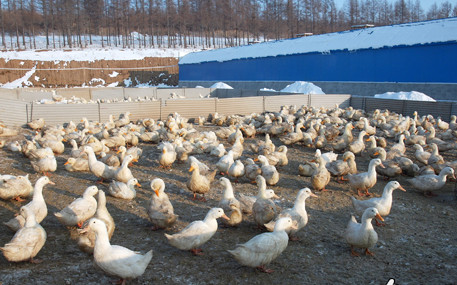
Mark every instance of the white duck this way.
pixel 123 190
pixel 27 241
pixel 297 213
pixel 98 168
pixel 264 209
pixel 362 235
pixel 45 165
pixel 383 204
pixel 80 209
pixel 421 155
pixel 229 203
pixel 269 172
pixel 76 164
pixel 327 156
pixel 236 170
pixel 365 180
pixel 264 248
pixel 197 232
pixel 160 210
pixel 123 173
pixel 431 182
pixel 251 169
pixel 86 241
pixel 114 259
pixel 225 162
pixel 37 205
pixel 16 187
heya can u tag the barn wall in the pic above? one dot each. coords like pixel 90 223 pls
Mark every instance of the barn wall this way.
pixel 417 63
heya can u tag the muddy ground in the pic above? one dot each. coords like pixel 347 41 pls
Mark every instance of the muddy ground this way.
pixel 418 245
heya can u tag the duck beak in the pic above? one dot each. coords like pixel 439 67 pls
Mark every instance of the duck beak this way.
pixel 294 225
pixel 135 160
pixel 382 165
pixel 139 185
pixel 163 151
pixel 52 183
pixel 402 189
pixel 256 159
pixel 66 163
pixel 276 196
pixel 313 195
pixel 191 169
pixel 157 192
pixel 224 216
pixel 119 151
pixel 378 216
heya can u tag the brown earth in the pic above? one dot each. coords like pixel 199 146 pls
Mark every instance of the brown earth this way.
pixel 417 246
pixel 72 78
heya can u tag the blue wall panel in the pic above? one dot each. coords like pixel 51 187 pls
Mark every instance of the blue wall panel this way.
pixel 419 63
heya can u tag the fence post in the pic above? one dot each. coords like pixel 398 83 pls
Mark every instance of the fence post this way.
pixel 99 112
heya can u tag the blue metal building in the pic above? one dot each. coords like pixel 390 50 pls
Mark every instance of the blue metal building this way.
pixel 418 56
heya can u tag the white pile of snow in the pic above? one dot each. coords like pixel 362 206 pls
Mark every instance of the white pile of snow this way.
pixel 20 82
pixel 413 95
pixel 303 87
pixel 221 85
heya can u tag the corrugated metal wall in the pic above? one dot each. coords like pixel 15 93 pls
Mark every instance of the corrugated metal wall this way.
pixel 18 112
pixel 13 112
pixel 274 103
pixel 61 113
pixel 329 100
pixel 188 108
pixel 240 106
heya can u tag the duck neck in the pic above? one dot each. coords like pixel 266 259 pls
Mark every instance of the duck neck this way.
pixel 38 191
pixel 91 156
pixel 30 221
pixel 366 223
pixel 262 194
pixel 102 243
pixel 299 205
pixel 210 221
pixel 228 192
pixel 372 170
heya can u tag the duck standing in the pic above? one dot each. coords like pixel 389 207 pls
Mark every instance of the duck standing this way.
pixel 431 182
pixel 365 180
pixel 321 176
pixel 37 205
pixel 264 248
pixel 269 172
pixel 230 204
pixel 115 259
pixel 297 213
pixel 199 183
pixel 80 209
pixel 383 204
pixel 197 232
pixel 27 241
pixel 362 235
pixel 264 209
pixel 160 210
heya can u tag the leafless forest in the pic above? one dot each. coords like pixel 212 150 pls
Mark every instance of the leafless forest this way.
pixel 193 23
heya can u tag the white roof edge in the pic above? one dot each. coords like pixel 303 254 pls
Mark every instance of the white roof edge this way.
pixel 426 32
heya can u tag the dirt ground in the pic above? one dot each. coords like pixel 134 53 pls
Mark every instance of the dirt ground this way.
pixel 417 246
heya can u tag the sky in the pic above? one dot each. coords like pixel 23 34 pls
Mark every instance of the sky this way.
pixel 424 3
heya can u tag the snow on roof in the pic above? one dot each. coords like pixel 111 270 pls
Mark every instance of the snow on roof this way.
pixel 413 95
pixel 443 30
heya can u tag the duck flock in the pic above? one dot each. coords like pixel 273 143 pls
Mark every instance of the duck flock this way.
pixel 223 151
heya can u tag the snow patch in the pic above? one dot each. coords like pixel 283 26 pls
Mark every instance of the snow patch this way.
pixel 24 80
pixel 114 74
pixel 221 85
pixel 402 95
pixel 303 87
